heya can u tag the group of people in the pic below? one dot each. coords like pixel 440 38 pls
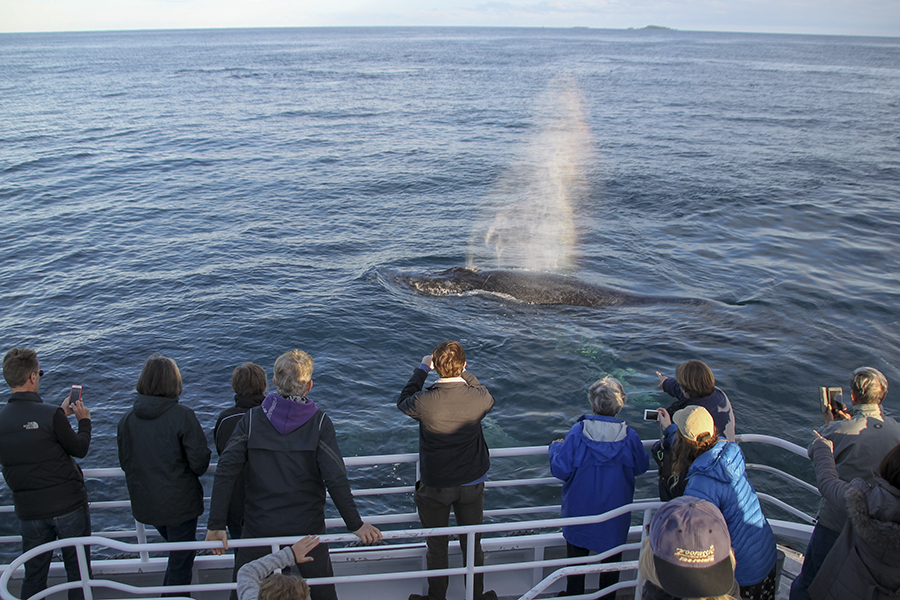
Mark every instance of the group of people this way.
pixel 711 539
pixel 278 454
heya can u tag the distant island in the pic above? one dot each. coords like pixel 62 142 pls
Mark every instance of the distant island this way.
pixel 656 27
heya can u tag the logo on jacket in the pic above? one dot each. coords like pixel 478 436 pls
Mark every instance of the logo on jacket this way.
pixel 31 425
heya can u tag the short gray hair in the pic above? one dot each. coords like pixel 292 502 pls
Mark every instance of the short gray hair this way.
pixel 607 396
pixel 292 372
pixel 869 385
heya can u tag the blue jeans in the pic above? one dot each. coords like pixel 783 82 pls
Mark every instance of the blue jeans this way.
pixel 181 562
pixel 820 544
pixel 40 531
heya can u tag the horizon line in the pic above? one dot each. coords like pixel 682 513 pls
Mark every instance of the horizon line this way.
pixel 650 28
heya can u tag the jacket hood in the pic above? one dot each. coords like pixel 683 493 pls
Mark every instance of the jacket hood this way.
pixel 600 435
pixel 875 513
pixel 287 415
pixel 248 402
pixel 152 407
pixel 723 462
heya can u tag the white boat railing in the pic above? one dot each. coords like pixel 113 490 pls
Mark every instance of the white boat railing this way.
pixel 406 541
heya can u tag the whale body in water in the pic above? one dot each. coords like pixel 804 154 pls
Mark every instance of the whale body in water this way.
pixel 534 287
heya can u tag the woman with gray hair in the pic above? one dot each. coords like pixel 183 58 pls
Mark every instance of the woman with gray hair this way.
pixel 597 462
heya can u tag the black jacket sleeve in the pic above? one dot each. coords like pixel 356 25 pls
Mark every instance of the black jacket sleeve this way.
pixel 230 466
pixel 406 402
pixel 75 444
pixel 331 466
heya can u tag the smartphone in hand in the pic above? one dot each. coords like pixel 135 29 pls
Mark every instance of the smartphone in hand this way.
pixel 75 394
pixel 830 400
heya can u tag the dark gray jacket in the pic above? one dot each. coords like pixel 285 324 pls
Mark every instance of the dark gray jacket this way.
pixel 452 450
pixel 286 478
pixel 163 451
pixel 864 563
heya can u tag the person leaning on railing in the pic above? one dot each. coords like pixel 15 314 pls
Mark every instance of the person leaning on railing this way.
pixel 289 448
pixel 37 446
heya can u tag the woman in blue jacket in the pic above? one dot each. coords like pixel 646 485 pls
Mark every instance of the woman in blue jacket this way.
pixel 598 461
pixel 717 474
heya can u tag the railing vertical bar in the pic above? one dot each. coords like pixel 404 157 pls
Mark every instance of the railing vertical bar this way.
pixel 82 552
pixel 142 539
pixel 645 529
pixel 470 566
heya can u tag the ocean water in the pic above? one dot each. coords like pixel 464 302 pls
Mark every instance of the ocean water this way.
pixel 223 196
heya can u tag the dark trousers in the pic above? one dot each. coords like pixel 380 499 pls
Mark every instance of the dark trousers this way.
pixel 319 567
pixel 575 583
pixel 434 506
pixel 181 562
pixel 40 531
pixel 820 544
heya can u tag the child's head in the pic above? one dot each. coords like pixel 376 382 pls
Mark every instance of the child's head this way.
pixel 248 379
pixel 606 397
pixel 696 379
pixel 283 587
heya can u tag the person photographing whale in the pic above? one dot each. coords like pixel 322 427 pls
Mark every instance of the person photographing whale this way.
pixel 453 456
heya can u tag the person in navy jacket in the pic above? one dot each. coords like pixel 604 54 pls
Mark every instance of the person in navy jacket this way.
pixel 598 461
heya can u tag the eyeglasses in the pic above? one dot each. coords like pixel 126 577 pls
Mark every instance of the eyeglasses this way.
pixel 40 372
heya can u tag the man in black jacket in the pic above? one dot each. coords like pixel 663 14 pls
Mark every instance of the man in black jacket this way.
pixel 453 456
pixel 37 444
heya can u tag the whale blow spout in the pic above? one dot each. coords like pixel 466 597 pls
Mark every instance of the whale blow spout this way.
pixel 533 287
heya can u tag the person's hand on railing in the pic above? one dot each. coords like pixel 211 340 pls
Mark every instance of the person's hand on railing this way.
pixel 214 535
pixel 302 546
pixel 369 534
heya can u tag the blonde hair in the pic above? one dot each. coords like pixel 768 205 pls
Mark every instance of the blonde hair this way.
pixel 283 587
pixel 293 371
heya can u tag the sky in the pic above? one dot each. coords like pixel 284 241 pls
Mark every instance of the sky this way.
pixel 838 17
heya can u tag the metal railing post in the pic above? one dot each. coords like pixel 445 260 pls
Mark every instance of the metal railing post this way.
pixel 470 565
pixel 645 528
pixel 82 552
pixel 142 539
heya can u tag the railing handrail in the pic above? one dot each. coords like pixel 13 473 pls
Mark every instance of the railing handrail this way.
pixel 276 542
pixel 645 505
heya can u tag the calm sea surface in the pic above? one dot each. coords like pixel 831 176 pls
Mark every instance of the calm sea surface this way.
pixel 223 196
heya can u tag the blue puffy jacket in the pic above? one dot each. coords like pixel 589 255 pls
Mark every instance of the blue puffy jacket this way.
pixel 719 475
pixel 597 462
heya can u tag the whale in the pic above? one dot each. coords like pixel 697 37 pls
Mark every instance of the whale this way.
pixel 532 287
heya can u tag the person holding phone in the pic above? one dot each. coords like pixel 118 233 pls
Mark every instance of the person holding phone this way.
pixel 860 442
pixel 37 447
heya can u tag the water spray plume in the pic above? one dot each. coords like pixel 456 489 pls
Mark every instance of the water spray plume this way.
pixel 530 213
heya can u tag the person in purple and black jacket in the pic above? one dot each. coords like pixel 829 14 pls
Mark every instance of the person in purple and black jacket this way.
pixel 290 449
